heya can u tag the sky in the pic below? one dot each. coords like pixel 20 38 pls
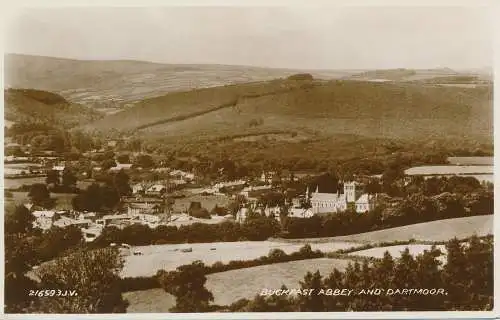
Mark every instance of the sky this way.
pixel 282 37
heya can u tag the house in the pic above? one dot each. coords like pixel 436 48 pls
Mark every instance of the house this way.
pixel 157 189
pixel 44 219
pixel 297 212
pixel 139 188
pixel 121 166
pixel 150 220
pixel 273 212
pixel 182 174
pixel 268 177
pixel 365 203
pixel 177 182
pixel 92 232
pixel 115 219
pixel 229 184
pixel 241 215
pixel 58 168
pixel 64 222
pixel 141 208
pixel 254 191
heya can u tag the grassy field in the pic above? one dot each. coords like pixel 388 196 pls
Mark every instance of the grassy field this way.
pixel 440 230
pixel 63 200
pixel 16 183
pixel 159 257
pixel 150 301
pixel 227 287
pixel 471 161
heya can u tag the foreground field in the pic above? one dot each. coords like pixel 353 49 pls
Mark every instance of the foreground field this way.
pixel 441 230
pixel 228 287
pixel 150 301
pixel 169 257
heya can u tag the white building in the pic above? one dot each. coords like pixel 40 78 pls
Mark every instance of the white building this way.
pixel 338 202
pixel 247 190
pixel 92 232
pixel 300 213
pixel 121 166
pixel 43 219
pixel 365 203
pixel 156 189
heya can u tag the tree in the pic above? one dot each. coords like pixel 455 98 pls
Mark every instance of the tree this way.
pixel 313 302
pixel 108 164
pixel 187 284
pixel 121 183
pixel 19 258
pixel 93 275
pixel 123 158
pixel 20 221
pixel 219 211
pixel 52 178
pixel 144 161
pixel 56 241
pixel 40 196
pixel 334 280
pixel 68 178
pixel 96 198
pixel 373 187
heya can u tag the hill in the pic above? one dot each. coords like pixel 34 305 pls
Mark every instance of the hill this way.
pixel 115 83
pixel 28 105
pixel 389 110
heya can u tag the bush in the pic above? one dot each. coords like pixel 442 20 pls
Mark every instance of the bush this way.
pixel 139 283
pixel 200 213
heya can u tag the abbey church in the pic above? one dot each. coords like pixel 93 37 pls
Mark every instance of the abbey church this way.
pixel 345 197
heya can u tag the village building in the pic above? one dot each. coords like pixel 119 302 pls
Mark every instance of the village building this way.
pixel 156 190
pixel 254 191
pixel 121 166
pixel 267 177
pixel 44 219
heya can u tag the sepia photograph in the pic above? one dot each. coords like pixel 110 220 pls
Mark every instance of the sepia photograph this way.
pixel 230 161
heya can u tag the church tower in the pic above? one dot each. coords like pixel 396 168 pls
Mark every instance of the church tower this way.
pixel 350 191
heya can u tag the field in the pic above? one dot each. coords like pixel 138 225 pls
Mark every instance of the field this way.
pixel 440 230
pixel 153 300
pixel 16 183
pixel 159 257
pixel 63 200
pixel 471 161
pixel 443 170
pixel 228 287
